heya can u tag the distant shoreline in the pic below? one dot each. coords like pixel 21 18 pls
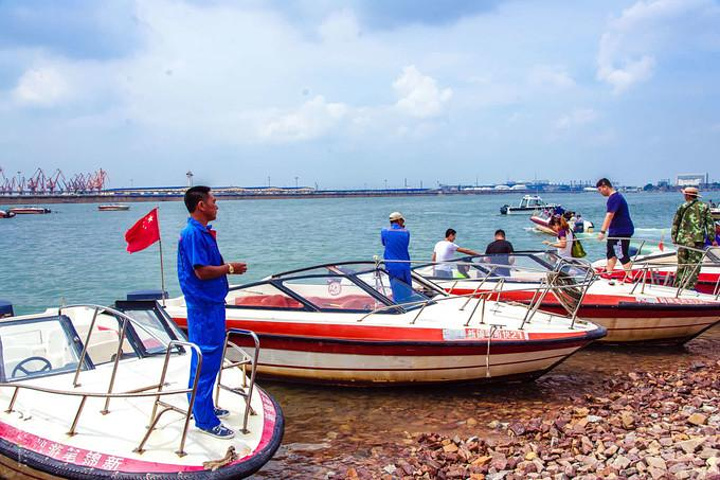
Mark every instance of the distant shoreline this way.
pixel 117 198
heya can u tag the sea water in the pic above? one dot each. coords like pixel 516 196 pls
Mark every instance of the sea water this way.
pixel 77 253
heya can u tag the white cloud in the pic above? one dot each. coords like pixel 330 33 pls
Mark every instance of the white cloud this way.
pixel 42 87
pixel 553 76
pixel 340 26
pixel 313 119
pixel 419 94
pixel 576 118
pixel 628 49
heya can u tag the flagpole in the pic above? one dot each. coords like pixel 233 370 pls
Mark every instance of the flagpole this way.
pixel 162 265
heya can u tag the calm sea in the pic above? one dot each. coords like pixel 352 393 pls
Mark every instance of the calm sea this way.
pixel 77 253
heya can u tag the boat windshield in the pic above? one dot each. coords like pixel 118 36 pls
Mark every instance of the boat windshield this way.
pixel 396 291
pixel 37 348
pixel 517 267
pixel 333 292
pixel 152 330
pixel 351 286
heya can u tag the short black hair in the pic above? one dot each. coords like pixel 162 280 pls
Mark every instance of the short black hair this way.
pixel 195 195
pixel 603 182
pixel 449 232
pixel 500 232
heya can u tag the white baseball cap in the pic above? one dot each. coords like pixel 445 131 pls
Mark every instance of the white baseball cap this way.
pixel 394 216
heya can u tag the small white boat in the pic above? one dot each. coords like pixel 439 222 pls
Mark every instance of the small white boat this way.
pixel 6 214
pixel 340 324
pixel 715 212
pixel 528 204
pixel 542 225
pixel 113 207
pixel 642 313
pixel 29 210
pixel 95 392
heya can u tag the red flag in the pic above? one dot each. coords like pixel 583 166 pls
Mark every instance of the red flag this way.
pixel 144 233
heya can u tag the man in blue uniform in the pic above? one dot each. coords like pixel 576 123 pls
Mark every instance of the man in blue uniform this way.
pixel 203 280
pixel 396 241
pixel 617 224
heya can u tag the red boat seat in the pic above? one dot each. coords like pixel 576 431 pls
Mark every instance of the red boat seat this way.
pixel 348 302
pixel 276 301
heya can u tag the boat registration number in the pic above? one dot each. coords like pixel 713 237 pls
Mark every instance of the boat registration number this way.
pixel 483 334
pixel 673 301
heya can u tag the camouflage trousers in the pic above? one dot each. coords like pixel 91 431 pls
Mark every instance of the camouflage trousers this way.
pixel 688 269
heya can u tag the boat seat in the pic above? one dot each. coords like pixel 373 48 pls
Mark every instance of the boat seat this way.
pixel 276 301
pixel 348 302
pixel 103 345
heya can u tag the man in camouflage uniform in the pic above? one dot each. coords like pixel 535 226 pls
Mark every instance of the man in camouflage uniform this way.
pixel 692 224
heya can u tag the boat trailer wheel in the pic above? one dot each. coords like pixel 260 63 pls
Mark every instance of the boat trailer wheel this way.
pixel 20 367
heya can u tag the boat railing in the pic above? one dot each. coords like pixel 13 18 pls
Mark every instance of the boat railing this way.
pixel 649 270
pixel 552 282
pixel 156 390
pixel 245 360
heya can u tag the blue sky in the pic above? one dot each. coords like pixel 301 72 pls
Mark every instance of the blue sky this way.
pixel 349 94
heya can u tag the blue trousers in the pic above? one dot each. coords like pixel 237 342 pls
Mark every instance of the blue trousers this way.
pixel 206 328
pixel 400 283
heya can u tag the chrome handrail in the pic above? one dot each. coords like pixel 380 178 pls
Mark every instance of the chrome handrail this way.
pixel 154 390
pixel 245 360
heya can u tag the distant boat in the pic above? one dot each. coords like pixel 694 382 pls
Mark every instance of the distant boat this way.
pixel 113 207
pixel 715 212
pixel 29 210
pixel 528 204
pixel 4 214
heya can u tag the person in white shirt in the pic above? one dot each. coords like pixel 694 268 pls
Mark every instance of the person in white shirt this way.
pixel 444 251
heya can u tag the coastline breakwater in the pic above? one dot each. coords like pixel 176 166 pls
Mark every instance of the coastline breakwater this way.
pixel 175 197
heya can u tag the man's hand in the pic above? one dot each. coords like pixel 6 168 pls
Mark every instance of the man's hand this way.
pixel 238 268
pixel 601 236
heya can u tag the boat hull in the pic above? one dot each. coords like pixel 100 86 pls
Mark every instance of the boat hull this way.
pixel 18 460
pixel 666 321
pixel 308 356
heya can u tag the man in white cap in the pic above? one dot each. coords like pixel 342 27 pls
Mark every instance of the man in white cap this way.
pixel 692 225
pixel 396 241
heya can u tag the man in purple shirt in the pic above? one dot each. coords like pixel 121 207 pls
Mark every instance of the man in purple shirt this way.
pixel 617 225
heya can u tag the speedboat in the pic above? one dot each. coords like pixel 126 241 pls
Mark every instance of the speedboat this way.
pixel 541 222
pixel 715 212
pixel 660 267
pixel 29 210
pixel 528 204
pixel 97 392
pixel 6 214
pixel 346 324
pixel 641 312
pixel 113 207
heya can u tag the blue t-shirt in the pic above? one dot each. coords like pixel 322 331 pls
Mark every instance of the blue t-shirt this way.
pixel 198 247
pixel 396 240
pixel 621 223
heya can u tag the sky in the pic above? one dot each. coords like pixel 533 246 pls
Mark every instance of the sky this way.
pixel 354 94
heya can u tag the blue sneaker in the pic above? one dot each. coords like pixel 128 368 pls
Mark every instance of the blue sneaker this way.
pixel 221 412
pixel 219 431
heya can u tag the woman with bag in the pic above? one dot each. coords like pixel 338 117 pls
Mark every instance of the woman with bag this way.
pixel 565 237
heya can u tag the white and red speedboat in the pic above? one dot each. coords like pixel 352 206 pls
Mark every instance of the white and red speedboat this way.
pixel 29 210
pixel 114 207
pixel 90 392
pixel 340 324
pixel 630 312
pixel 661 267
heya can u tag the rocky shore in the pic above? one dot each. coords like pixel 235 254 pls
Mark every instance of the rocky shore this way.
pixel 659 425
pixel 607 413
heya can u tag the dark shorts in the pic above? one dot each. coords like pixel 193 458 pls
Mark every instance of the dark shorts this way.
pixel 624 248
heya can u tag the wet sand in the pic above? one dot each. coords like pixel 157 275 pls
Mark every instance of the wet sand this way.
pixel 339 432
